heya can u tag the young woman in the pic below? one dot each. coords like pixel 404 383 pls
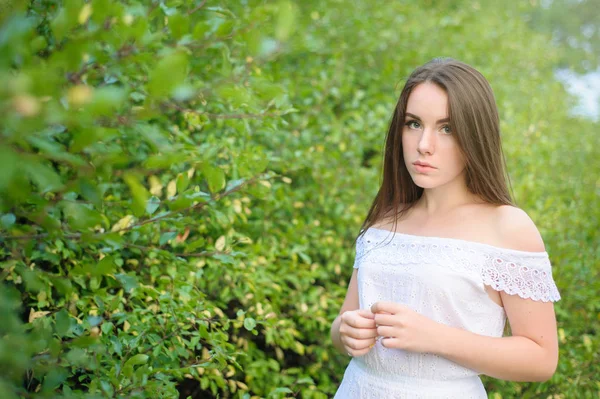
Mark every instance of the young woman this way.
pixel 425 311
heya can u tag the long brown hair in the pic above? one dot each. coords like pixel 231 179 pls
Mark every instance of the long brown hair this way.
pixel 475 123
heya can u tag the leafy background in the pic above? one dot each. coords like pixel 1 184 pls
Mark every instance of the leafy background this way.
pixel 181 182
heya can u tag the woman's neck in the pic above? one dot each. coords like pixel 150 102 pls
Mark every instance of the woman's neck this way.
pixel 441 200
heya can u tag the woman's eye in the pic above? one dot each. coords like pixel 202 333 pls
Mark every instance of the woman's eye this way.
pixel 413 124
pixel 446 129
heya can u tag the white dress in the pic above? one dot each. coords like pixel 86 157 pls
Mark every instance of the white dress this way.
pixel 443 279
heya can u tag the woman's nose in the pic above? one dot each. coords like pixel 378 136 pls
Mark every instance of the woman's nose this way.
pixel 426 143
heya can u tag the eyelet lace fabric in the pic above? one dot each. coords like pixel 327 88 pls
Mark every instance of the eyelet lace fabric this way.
pixel 444 279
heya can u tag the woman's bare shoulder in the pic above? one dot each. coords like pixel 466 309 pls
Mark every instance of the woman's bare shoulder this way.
pixel 516 230
pixel 390 219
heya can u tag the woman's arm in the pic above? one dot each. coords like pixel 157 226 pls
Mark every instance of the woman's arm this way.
pixel 530 354
pixel 350 303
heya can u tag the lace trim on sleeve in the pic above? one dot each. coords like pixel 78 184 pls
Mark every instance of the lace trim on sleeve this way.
pixel 526 276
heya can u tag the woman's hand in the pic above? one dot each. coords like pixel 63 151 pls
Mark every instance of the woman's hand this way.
pixel 357 331
pixel 402 328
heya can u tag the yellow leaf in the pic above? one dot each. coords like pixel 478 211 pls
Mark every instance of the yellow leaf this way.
pixel 127 19
pixel 220 244
pixel 337 269
pixel 237 206
pixel 85 13
pixel 155 186
pixel 172 188
pixel 79 95
pixel 299 348
pixel 279 353
pixel 36 315
pixel 587 342
pixel 123 223
pixel 26 105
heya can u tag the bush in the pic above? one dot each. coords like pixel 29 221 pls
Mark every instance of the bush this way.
pixel 181 183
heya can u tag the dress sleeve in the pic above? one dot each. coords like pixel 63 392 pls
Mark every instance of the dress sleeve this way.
pixel 359 250
pixel 527 274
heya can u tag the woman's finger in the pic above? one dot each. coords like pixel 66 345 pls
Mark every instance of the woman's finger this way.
pixel 357 321
pixel 365 333
pixel 386 331
pixel 362 352
pixel 358 344
pixel 385 319
pixel 391 342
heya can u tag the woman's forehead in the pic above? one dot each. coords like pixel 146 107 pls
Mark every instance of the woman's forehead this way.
pixel 428 100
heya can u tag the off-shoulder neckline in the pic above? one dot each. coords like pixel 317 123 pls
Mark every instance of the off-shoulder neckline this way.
pixel 462 241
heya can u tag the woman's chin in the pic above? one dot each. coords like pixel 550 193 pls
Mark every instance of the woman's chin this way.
pixel 422 182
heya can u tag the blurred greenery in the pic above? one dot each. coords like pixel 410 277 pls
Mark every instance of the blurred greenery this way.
pixel 573 25
pixel 180 183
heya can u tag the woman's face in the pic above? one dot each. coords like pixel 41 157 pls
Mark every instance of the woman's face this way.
pixel 428 140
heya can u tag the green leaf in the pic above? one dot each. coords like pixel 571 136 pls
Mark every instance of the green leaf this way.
pixel 33 280
pixel 179 25
pixel 249 323
pixel 152 205
pixel 54 378
pixel 136 360
pixel 215 177
pixel 8 165
pixel 90 191
pixel 182 182
pixel 85 341
pixel 42 175
pixel 139 193
pixel 62 285
pixel 280 390
pixel 60 24
pixel 80 216
pixel 169 73
pixel 63 322
pixel 107 327
pixel 94 320
pixel 128 282
pixel 38 43
pixel 232 184
pixel 8 220
pixel 106 101
pixel 78 357
pixel 166 237
pixel 105 267
pixel 181 202
pixel 286 20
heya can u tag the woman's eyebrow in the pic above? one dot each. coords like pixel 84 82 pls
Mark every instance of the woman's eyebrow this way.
pixel 419 119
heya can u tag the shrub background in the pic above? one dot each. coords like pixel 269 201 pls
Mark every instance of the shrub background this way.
pixel 181 182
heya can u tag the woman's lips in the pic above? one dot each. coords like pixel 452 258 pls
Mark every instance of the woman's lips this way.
pixel 422 167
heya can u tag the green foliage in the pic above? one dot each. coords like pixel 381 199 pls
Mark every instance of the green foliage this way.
pixel 180 182
pixel 575 25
